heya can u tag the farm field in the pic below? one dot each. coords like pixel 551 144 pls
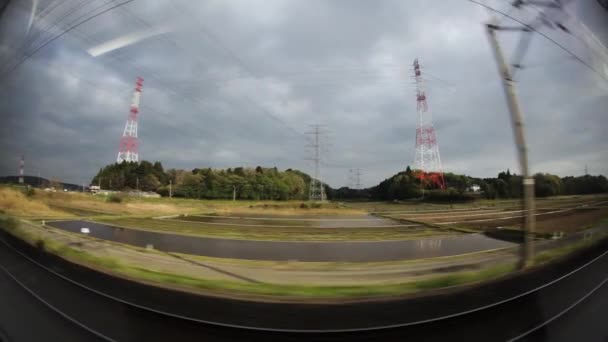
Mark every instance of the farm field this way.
pixel 435 237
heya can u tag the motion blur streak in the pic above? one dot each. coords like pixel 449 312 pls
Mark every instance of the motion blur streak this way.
pixel 126 40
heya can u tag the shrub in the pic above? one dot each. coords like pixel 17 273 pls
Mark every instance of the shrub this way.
pixel 114 198
pixel 8 223
pixel 40 245
pixel 28 191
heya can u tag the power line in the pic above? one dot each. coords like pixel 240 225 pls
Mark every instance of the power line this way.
pixel 48 30
pixel 249 70
pixel 153 75
pixel 28 56
pixel 50 25
pixel 528 27
pixel 237 59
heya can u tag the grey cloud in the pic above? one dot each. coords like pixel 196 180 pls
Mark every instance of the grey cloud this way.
pixel 238 82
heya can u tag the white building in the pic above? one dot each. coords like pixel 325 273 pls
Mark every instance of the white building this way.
pixel 474 188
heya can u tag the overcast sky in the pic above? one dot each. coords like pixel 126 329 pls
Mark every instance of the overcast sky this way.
pixel 231 83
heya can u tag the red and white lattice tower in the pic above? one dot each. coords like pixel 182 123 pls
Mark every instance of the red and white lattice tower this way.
pixel 127 151
pixel 427 162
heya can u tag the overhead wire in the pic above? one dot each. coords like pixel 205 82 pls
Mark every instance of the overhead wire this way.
pixel 50 25
pixel 45 11
pixel 253 73
pixel 64 32
pixel 149 74
pixel 249 70
pixel 29 42
pixel 141 21
pixel 556 43
pixel 158 79
pixel 243 66
pixel 228 50
pixel 123 95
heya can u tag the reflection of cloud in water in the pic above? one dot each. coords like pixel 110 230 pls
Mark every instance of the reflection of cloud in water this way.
pixel 296 222
pixel 430 244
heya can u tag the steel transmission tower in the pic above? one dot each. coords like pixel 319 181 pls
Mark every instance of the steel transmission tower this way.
pixel 127 151
pixel 355 178
pixel 427 162
pixel 21 169
pixel 316 190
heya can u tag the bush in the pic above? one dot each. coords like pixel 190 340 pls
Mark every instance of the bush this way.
pixel 40 245
pixel 8 223
pixel 114 198
pixel 28 191
pixel 304 206
pixel 316 205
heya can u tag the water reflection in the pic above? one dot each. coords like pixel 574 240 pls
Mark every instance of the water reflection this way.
pixel 285 251
pixel 429 244
pixel 360 221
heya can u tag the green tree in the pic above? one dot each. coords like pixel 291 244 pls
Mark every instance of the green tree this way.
pixel 547 185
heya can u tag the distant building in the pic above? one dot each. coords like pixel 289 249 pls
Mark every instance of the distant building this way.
pixel 474 188
pixel 94 188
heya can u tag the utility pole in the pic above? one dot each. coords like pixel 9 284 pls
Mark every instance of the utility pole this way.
pixel 170 189
pixel 517 123
pixel 137 185
pixel 234 193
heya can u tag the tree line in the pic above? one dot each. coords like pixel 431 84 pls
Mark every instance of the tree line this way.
pixel 508 185
pixel 262 183
pixel 144 176
pixel 405 185
pixel 206 183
